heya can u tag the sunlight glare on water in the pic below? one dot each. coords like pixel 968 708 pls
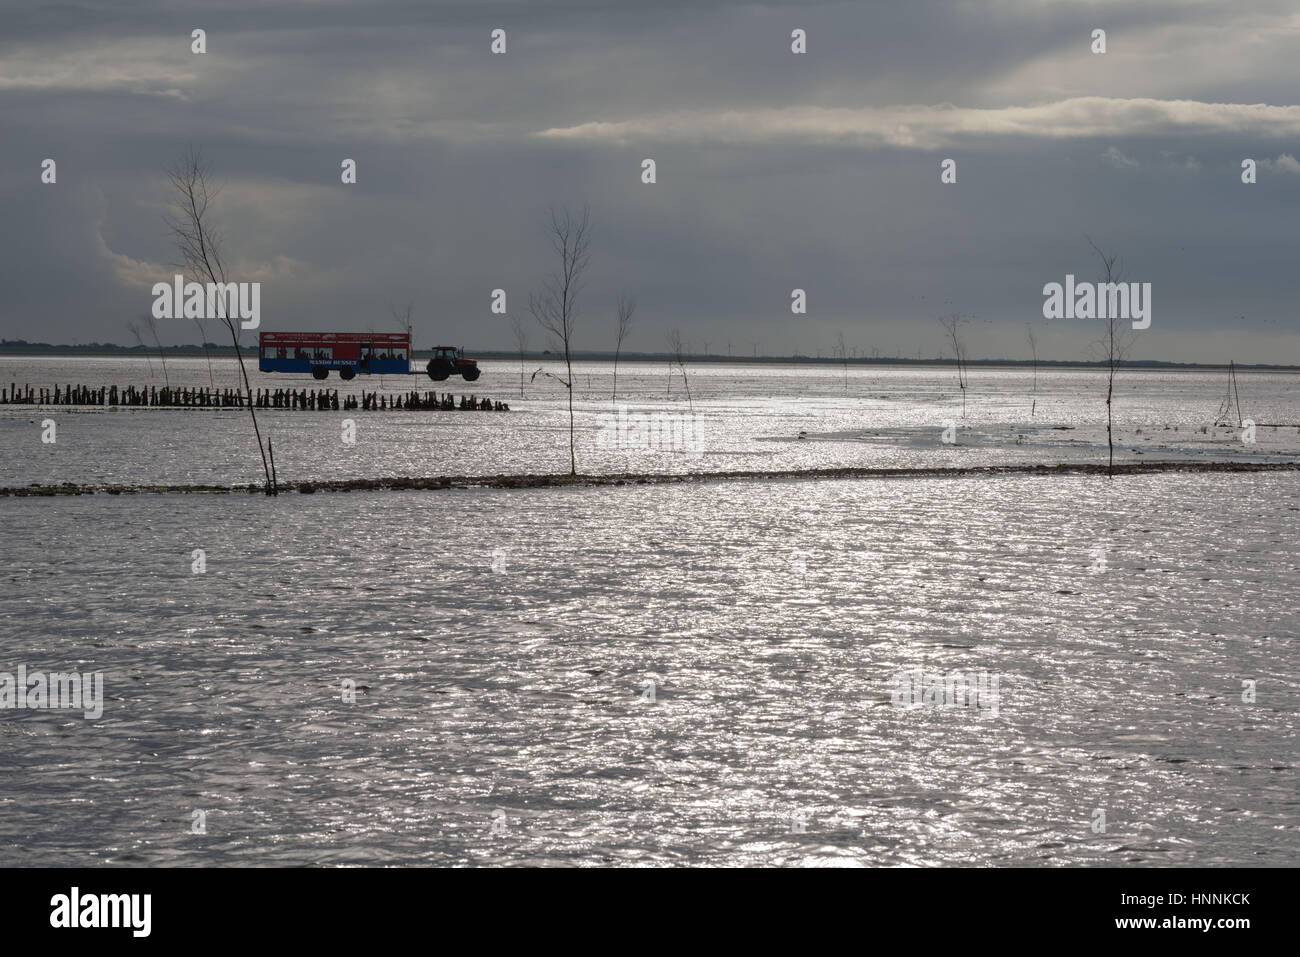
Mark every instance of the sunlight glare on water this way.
pixel 693 674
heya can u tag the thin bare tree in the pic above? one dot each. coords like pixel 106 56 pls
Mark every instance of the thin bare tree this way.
pixel 626 307
pixel 679 359
pixel 1114 346
pixel 521 345
pixel 401 316
pixel 402 319
pixel 842 351
pixel 135 331
pixel 199 244
pixel 152 325
pixel 1033 349
pixel 952 326
pixel 555 305
pixel 203 338
pixel 1233 398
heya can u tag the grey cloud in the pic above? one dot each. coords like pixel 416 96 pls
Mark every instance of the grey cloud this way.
pixel 819 171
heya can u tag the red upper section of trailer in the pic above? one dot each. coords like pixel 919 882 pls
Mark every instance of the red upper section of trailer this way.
pixel 374 338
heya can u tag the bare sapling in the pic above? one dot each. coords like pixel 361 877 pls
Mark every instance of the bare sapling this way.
pixel 626 307
pixel 952 327
pixel 1113 347
pixel 554 306
pixel 521 346
pixel 677 351
pixel 1033 349
pixel 842 353
pixel 199 244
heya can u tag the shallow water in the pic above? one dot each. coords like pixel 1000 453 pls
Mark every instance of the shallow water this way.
pixel 747 417
pixel 501 643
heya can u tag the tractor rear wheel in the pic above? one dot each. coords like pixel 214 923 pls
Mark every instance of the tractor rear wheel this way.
pixel 438 369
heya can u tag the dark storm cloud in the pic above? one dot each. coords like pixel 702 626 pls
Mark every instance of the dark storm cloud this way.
pixel 776 171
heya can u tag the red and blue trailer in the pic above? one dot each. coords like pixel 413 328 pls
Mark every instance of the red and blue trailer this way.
pixel 353 353
pixel 373 353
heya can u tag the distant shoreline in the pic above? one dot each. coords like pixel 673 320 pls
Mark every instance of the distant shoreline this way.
pixel 20 349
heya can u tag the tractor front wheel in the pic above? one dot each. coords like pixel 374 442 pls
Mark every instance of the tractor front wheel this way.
pixel 470 374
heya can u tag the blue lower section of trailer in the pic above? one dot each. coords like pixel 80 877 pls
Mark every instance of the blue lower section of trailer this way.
pixel 304 366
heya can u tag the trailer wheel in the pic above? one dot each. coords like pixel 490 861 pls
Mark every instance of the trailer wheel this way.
pixel 319 372
pixel 346 373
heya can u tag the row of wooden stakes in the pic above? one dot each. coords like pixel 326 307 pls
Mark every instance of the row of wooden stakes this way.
pixel 301 400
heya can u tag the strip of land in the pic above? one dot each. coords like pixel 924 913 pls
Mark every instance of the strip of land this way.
pixel 440 482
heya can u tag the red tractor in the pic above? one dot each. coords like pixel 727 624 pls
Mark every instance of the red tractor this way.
pixel 449 361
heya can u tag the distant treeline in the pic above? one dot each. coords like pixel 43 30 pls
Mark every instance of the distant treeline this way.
pixel 16 347
pixel 23 347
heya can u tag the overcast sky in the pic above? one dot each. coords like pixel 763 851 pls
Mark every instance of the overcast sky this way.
pixel 775 170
